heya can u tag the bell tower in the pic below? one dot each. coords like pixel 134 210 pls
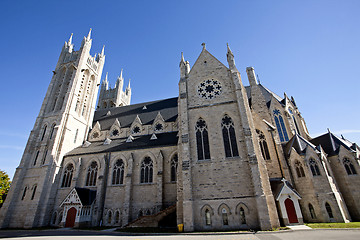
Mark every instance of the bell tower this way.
pixel 63 122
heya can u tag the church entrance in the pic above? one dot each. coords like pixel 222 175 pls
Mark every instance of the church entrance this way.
pixel 70 217
pixel 290 210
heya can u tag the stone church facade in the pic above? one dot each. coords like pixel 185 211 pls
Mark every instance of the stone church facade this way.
pixel 219 156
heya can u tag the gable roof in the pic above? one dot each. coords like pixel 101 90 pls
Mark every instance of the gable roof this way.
pixel 279 185
pixel 331 143
pixel 127 114
pixel 81 196
pixel 120 144
pixel 268 95
pixel 299 144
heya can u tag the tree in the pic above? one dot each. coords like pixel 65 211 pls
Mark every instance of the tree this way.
pixel 4 186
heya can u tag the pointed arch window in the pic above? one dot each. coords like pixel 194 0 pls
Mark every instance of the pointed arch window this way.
pixel 263 145
pixel 43 133
pixel 280 126
pixel 202 140
pixel 207 217
pixel 312 211
pixel 174 165
pixel 34 191
pixel 349 167
pixel 224 215
pixel 118 172
pixel 24 193
pixel 36 157
pixel 329 210
pixel 92 174
pixel 117 217
pixel 299 169
pixel 146 173
pixel 109 217
pixel 44 157
pixel 242 216
pixel 67 177
pixel 229 137
pixel 314 167
pixel 52 131
pixel 76 134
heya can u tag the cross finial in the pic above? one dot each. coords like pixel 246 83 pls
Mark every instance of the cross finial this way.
pixel 203 45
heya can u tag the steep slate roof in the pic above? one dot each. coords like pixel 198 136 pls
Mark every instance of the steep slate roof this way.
pixel 331 143
pixel 86 196
pixel 139 142
pixel 127 114
pixel 299 144
pixel 266 93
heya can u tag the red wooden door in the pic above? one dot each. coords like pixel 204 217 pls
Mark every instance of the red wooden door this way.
pixel 70 218
pixel 290 210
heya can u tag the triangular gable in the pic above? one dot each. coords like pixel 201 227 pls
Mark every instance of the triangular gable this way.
pixel 205 54
pixel 72 199
pixel 287 189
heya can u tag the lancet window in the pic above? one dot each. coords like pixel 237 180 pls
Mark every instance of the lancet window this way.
pixel 349 167
pixel 92 174
pixel 229 137
pixel 202 140
pixel 174 164
pixel 314 167
pixel 146 174
pixel 263 145
pixel 67 177
pixel 299 169
pixel 280 126
pixel 118 172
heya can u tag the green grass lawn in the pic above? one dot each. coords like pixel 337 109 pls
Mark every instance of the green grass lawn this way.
pixel 334 225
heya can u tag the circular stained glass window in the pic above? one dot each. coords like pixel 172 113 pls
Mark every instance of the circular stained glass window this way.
pixel 209 89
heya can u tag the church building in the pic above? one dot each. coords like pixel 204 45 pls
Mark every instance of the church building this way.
pixel 219 156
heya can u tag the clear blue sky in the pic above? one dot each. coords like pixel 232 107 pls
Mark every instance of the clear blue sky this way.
pixel 308 49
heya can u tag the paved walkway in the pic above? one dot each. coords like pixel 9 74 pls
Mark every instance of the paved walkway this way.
pixel 298 227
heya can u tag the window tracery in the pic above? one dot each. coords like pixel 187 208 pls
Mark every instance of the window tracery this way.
pixel 263 145
pixel 146 174
pixel 349 167
pixel 118 172
pixel 67 177
pixel 314 167
pixel 229 137
pixel 92 174
pixel 202 140
pixel 280 126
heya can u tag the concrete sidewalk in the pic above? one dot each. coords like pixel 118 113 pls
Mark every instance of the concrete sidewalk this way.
pixel 299 227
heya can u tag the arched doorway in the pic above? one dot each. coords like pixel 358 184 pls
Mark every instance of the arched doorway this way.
pixel 70 217
pixel 290 210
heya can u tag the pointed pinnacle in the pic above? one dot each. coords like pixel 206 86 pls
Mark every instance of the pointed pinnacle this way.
pixel 70 39
pixel 106 77
pixel 228 49
pixel 103 51
pixel 182 58
pixel 128 84
pixel 89 35
pixel 121 76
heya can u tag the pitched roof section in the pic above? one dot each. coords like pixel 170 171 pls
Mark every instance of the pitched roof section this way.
pixel 138 142
pixel 299 144
pixel 331 143
pixel 268 95
pixel 278 185
pixel 127 114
